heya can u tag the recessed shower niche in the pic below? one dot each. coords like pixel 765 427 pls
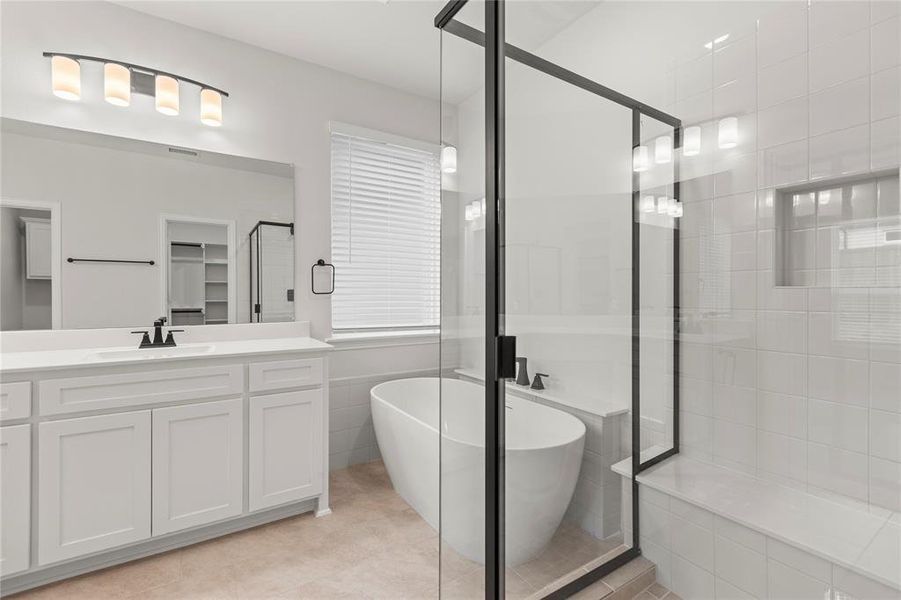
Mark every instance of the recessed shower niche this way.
pixel 839 233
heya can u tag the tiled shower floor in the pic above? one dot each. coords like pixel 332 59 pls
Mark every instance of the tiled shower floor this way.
pixel 372 546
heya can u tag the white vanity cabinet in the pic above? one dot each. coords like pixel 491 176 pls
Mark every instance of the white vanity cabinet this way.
pixel 94 484
pixel 140 456
pixel 37 248
pixel 198 466
pixel 285 447
pixel 15 497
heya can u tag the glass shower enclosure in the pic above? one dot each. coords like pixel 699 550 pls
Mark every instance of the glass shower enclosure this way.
pixel 559 310
pixel 271 272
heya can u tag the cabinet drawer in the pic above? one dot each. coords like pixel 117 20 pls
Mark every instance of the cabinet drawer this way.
pixel 285 374
pixel 139 388
pixel 15 400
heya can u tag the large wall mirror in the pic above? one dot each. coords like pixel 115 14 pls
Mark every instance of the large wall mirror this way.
pixel 100 231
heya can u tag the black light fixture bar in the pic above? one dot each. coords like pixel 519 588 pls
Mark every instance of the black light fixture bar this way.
pixel 137 68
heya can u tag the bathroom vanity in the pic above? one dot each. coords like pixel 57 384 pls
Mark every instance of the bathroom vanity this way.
pixel 111 453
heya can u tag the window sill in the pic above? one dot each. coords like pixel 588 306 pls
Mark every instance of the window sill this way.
pixel 383 338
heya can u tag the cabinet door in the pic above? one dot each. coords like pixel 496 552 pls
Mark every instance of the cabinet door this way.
pixel 15 498
pixel 37 249
pixel 285 448
pixel 198 466
pixel 94 484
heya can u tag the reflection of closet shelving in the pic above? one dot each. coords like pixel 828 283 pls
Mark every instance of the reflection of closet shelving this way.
pixel 198 283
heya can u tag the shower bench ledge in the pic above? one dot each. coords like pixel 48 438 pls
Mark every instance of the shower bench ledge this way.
pixel 864 541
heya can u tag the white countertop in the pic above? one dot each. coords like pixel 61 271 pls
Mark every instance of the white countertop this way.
pixel 867 542
pixel 40 360
pixel 596 406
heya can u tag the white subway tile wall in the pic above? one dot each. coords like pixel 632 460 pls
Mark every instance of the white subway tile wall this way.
pixel 800 384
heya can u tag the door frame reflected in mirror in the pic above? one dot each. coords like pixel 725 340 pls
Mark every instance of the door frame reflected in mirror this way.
pixel 53 207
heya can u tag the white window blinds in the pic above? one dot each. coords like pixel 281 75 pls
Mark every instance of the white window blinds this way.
pixel 386 216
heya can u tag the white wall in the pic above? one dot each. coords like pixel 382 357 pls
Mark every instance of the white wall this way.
pixel 279 109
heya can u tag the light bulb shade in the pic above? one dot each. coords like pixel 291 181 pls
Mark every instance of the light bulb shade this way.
pixel 116 84
pixel 640 159
pixel 166 95
pixel 674 209
pixel 728 133
pixel 647 204
pixel 449 159
pixel 663 205
pixel 468 213
pixel 210 107
pixel 691 142
pixel 663 150
pixel 65 77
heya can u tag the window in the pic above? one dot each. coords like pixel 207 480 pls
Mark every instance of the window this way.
pixel 386 217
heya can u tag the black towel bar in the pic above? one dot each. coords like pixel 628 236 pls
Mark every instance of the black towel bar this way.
pixel 110 260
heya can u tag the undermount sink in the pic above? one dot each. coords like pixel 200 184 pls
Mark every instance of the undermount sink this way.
pixel 149 353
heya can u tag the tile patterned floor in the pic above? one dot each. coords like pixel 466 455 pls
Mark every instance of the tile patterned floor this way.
pixel 372 546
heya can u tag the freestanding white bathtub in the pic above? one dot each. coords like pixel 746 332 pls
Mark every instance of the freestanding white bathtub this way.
pixel 543 455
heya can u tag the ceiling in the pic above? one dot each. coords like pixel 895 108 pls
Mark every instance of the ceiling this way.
pixel 393 42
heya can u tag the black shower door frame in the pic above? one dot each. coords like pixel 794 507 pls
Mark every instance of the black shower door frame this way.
pixel 256 308
pixel 500 348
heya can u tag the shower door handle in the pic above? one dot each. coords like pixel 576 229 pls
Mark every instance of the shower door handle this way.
pixel 506 356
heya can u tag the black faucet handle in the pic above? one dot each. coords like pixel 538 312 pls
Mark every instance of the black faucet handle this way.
pixel 170 341
pixel 537 384
pixel 145 340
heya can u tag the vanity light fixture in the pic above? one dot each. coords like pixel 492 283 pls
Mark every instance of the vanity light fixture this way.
pixel 448 159
pixel 728 133
pixel 691 145
pixel 65 77
pixel 663 150
pixel 647 204
pixel 663 205
pixel 675 209
pixel 210 107
pixel 121 79
pixel 116 84
pixel 476 209
pixel 166 95
pixel 468 213
pixel 640 159
pixel 709 45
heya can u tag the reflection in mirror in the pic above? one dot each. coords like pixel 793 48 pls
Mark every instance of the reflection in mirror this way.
pixel 25 268
pixel 144 230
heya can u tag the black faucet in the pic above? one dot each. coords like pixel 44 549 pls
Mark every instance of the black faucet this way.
pixel 158 331
pixel 537 384
pixel 522 374
pixel 158 341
